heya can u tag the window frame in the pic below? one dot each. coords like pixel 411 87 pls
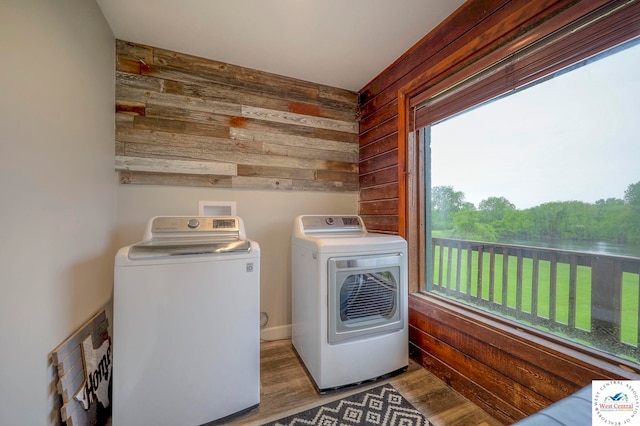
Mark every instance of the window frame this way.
pixel 589 33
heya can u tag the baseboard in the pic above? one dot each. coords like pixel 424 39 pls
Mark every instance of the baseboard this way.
pixel 276 333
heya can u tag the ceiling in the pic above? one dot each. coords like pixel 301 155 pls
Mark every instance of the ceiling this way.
pixel 339 43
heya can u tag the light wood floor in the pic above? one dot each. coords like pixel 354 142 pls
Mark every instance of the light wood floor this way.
pixel 286 389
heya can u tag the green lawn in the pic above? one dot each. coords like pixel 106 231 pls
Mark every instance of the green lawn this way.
pixel 630 297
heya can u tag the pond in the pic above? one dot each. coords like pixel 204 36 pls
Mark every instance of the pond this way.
pixel 598 247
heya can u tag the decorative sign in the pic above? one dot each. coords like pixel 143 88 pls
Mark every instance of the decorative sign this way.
pixel 97 374
pixel 84 372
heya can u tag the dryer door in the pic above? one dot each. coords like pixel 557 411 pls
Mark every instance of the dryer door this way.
pixel 364 296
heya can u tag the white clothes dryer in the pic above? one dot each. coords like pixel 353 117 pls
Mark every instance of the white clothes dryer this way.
pixel 186 338
pixel 349 301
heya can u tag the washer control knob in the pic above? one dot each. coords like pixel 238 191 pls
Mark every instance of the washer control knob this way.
pixel 329 221
pixel 193 223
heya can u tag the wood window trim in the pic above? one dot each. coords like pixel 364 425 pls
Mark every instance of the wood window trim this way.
pixel 458 64
pixel 440 77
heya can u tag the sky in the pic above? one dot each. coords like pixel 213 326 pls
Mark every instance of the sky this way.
pixel 574 137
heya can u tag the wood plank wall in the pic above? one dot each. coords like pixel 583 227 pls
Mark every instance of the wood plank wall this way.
pixel 504 370
pixel 508 372
pixel 184 120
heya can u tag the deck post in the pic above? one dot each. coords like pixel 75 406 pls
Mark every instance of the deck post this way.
pixel 606 296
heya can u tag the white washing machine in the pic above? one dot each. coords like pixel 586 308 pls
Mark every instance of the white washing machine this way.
pixel 186 338
pixel 349 301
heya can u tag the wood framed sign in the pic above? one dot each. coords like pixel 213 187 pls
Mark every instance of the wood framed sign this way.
pixel 83 363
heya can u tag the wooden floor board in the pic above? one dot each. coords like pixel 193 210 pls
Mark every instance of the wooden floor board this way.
pixel 286 389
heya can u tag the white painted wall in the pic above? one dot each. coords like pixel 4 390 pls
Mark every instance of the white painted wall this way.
pixel 268 217
pixel 62 212
pixel 57 190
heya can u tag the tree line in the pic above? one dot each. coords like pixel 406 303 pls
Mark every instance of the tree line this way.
pixel 496 218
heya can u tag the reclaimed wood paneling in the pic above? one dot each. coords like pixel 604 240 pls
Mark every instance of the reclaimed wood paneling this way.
pixel 508 372
pixel 184 120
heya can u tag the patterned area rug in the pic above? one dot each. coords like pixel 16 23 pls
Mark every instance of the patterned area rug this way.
pixel 380 406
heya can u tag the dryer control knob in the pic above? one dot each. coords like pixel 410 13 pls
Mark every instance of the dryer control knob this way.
pixel 193 223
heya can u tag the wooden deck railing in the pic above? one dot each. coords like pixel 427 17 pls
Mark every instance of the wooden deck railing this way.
pixel 590 298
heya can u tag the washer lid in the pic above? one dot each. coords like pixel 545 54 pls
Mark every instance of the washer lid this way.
pixel 163 247
pixel 191 235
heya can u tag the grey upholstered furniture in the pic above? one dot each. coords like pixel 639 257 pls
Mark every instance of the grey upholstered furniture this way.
pixel 574 410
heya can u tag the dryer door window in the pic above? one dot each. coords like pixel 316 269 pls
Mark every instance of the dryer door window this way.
pixel 364 296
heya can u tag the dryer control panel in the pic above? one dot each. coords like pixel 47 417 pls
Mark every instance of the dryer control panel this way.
pixel 321 223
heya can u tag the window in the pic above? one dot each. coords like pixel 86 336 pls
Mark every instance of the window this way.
pixel 534 213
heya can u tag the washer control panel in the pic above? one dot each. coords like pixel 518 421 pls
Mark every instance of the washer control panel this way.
pixel 172 224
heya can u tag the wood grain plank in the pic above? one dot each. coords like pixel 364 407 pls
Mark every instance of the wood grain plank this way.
pixel 328 186
pixel 233 74
pixel 71 344
pixel 282 172
pixel 211 149
pixel 342 96
pixel 169 99
pixel 137 81
pixel 299 119
pixel 134 51
pixel 231 94
pixel 300 152
pixel 348 178
pixel 128 65
pixel 385 129
pixel 335 135
pixel 196 151
pixel 381 192
pixel 119 148
pixel 244 134
pixel 380 146
pixel 381 223
pixel 130 108
pixel 207 146
pixel 379 177
pixel 159 165
pixel 259 81
pixel 177 113
pixel 124 120
pixel 149 178
pixel 243 182
pixel 71 381
pixel 380 162
pixel 379 207
pixel 385 113
pixel 180 126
